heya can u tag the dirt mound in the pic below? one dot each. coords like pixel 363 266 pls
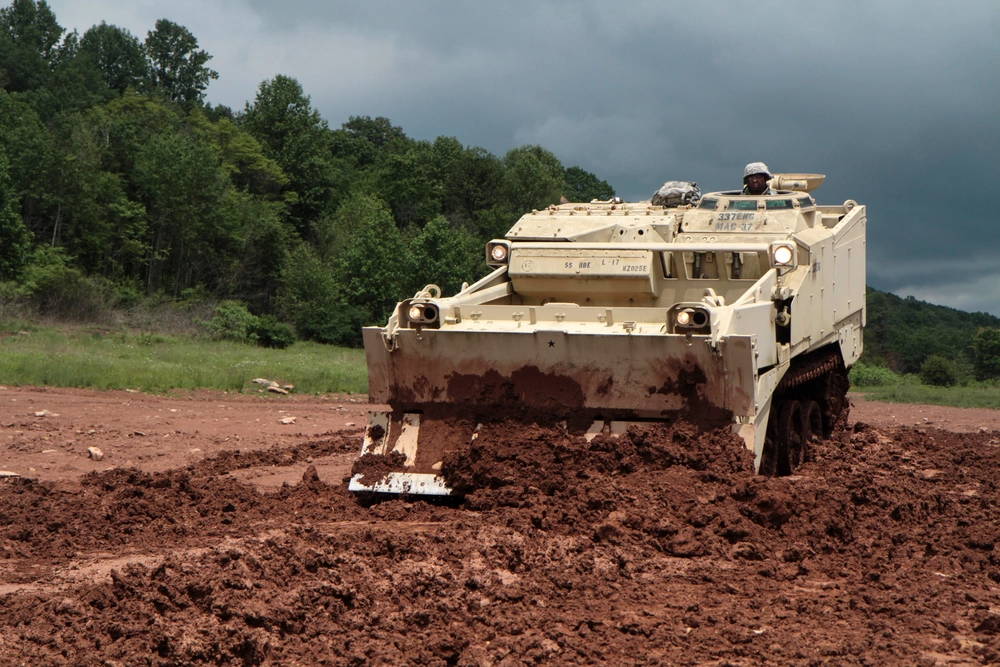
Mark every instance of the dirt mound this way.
pixel 128 507
pixel 659 546
pixel 511 454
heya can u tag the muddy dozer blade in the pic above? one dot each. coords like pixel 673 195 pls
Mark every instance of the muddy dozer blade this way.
pixel 404 453
pixel 441 384
pixel 403 483
pixel 386 436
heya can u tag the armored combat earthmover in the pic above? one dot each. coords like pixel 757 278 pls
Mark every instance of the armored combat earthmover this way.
pixel 736 309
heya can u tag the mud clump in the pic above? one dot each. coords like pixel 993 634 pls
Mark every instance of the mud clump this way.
pixel 374 468
pixel 659 546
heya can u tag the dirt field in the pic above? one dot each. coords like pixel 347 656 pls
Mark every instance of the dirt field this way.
pixel 210 531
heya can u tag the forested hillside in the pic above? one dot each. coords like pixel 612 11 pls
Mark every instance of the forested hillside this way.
pixel 119 180
pixel 902 333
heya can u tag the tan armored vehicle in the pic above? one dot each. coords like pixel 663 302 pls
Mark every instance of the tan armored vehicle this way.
pixel 738 309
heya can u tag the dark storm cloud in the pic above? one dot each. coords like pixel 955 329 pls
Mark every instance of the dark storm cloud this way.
pixel 896 101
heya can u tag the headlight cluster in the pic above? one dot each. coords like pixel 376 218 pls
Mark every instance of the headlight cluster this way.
pixel 497 252
pixel 691 319
pixel 422 313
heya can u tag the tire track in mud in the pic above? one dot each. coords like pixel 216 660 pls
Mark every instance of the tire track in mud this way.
pixel 657 547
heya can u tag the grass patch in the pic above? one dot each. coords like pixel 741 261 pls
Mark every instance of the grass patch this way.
pixel 881 384
pixel 157 363
pixel 972 396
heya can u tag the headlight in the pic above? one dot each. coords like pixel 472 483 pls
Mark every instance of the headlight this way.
pixel 691 319
pixel 782 255
pixel 497 253
pixel 422 313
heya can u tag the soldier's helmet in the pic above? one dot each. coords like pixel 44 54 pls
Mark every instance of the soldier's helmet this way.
pixel 755 168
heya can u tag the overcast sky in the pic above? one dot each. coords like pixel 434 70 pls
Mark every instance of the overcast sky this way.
pixel 897 101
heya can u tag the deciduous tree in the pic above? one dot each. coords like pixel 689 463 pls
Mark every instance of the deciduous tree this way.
pixel 443 255
pixel 580 185
pixel 181 185
pixel 986 353
pixel 177 65
pixel 118 56
pixel 15 240
pixel 282 118
pixel 29 44
pixel 368 267
pixel 533 178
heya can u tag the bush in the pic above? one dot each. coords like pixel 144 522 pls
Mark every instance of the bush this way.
pixel 56 289
pixel 11 300
pixel 331 322
pixel 870 375
pixel 269 332
pixel 938 371
pixel 232 321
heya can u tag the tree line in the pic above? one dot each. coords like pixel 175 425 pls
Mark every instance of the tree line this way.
pixel 942 345
pixel 116 174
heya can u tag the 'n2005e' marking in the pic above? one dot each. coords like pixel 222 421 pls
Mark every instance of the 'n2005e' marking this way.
pixel 637 268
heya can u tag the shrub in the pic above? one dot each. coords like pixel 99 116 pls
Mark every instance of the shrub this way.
pixel 870 375
pixel 272 333
pixel 938 371
pixel 332 322
pixel 11 300
pixel 128 295
pixel 232 321
pixel 59 290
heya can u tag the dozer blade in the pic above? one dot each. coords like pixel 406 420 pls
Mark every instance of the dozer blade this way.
pixel 403 483
pixel 441 384
pixel 639 375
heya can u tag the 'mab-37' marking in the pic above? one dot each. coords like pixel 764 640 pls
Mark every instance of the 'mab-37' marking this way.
pixel 735 222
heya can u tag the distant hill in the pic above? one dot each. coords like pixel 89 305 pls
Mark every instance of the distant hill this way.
pixel 903 331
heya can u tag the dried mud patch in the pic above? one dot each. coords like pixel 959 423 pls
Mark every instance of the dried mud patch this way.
pixel 659 546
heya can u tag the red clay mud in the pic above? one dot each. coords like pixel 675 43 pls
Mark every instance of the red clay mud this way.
pixel 656 547
pixel 373 468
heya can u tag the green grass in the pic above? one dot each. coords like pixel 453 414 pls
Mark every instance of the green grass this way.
pixel 881 384
pixel 156 363
pixel 972 396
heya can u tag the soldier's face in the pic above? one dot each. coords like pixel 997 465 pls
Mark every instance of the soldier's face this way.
pixel 756 182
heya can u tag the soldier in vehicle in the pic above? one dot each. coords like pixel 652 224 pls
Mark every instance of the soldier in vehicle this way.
pixel 755 178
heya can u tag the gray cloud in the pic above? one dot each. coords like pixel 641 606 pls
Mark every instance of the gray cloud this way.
pixel 895 100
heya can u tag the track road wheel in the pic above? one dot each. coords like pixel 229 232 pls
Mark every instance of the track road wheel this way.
pixel 789 432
